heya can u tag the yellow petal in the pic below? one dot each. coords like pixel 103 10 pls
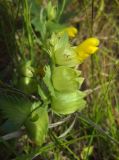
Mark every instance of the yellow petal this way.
pixel 81 57
pixel 71 31
pixel 86 48
pixel 91 41
pixel 91 49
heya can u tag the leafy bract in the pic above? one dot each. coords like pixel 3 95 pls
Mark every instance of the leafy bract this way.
pixel 37 125
pixel 66 103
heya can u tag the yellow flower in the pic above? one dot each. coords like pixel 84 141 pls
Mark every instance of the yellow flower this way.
pixel 86 48
pixel 65 55
pixel 71 31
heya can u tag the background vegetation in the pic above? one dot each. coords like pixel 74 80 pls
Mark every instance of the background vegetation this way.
pixel 94 133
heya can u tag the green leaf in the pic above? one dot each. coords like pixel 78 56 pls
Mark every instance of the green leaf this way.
pixel 35 6
pixel 39 26
pixel 54 27
pixel 61 7
pixel 15 109
pixel 9 126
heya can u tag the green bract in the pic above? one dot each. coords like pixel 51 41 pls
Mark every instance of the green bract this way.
pixel 65 79
pixel 37 125
pixel 66 57
pixel 66 103
pixel 63 54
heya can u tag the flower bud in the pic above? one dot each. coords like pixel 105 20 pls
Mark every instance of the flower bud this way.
pixel 71 31
pixel 71 56
pixel 51 11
